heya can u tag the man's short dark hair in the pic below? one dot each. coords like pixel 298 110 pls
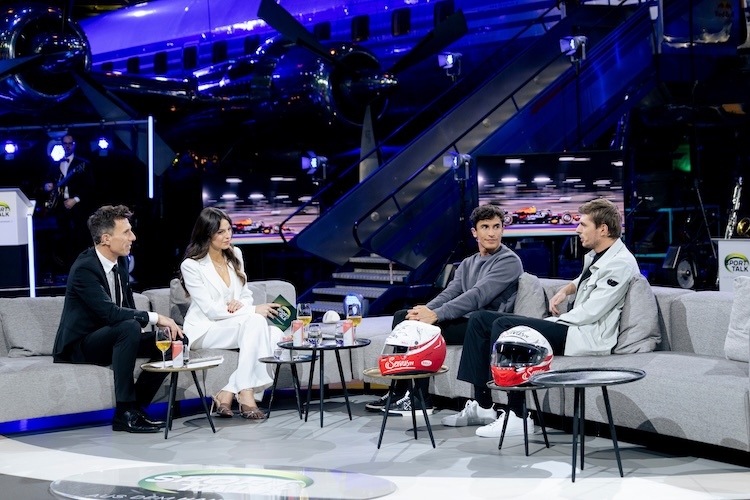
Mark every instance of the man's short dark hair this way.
pixel 602 211
pixel 486 212
pixel 103 220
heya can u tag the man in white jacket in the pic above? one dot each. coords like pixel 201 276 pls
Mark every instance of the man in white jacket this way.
pixel 589 328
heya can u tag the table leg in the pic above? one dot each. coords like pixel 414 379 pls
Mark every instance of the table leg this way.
pixel 576 415
pixel 203 400
pixel 540 417
pixel 321 389
pixel 170 402
pixel 295 381
pixel 273 389
pixel 502 433
pixel 612 428
pixel 385 411
pixel 525 412
pixel 413 409
pixel 582 422
pixel 424 412
pixel 343 384
pixel 309 384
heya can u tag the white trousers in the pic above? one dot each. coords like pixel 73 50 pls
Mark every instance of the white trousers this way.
pixel 255 338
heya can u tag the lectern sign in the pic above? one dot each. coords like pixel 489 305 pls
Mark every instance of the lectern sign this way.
pixel 13 209
pixel 734 260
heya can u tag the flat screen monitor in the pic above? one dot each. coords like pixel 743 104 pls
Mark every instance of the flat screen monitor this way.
pixel 541 193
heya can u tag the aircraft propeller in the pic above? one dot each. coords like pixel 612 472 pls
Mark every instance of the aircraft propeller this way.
pixel 445 33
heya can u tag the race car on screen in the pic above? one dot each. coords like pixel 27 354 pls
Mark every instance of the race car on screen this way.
pixel 532 215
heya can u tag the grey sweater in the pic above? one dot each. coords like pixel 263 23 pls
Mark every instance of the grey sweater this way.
pixel 481 282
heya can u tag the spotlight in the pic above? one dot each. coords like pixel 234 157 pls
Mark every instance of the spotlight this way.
pixel 56 150
pixel 451 63
pixel 574 46
pixel 11 148
pixel 315 165
pixel 101 145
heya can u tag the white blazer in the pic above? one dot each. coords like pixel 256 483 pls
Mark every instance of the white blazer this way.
pixel 594 318
pixel 208 304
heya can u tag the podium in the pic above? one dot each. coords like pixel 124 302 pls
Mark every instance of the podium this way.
pixel 16 240
pixel 734 260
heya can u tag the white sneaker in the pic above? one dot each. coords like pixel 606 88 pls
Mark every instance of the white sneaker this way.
pixel 514 428
pixel 472 414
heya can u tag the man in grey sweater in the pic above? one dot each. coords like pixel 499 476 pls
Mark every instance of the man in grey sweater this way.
pixel 486 280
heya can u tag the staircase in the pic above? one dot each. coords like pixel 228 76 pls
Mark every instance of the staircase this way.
pixel 383 285
pixel 415 207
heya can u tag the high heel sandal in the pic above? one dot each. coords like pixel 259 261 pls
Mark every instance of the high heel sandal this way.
pixel 223 410
pixel 247 411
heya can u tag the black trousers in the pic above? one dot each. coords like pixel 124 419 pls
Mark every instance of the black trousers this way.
pixel 481 334
pixel 453 332
pixel 120 345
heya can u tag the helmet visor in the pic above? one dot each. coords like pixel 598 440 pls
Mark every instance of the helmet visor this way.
pixel 518 354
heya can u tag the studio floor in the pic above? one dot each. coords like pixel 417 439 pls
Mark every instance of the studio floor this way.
pixel 461 466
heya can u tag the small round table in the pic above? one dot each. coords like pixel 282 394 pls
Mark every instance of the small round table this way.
pixel 320 350
pixel 192 366
pixel 304 358
pixel 579 379
pixel 375 373
pixel 526 387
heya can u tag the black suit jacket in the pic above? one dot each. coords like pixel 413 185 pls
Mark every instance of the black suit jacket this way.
pixel 89 307
pixel 80 184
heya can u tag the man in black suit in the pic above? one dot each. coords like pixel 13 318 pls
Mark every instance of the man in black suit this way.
pixel 70 188
pixel 101 325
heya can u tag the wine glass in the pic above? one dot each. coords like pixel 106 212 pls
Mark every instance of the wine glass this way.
pixel 354 314
pixel 163 342
pixel 304 314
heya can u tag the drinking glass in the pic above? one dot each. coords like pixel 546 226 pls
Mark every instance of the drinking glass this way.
pixel 304 313
pixel 338 335
pixel 314 334
pixel 277 353
pixel 354 314
pixel 163 342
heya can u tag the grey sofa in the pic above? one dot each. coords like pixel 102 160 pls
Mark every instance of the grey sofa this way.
pixel 33 386
pixel 691 390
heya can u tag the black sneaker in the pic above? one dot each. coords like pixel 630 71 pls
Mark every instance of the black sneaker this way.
pixel 378 404
pixel 403 407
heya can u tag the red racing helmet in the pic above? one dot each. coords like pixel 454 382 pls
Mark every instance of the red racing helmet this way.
pixel 413 347
pixel 519 353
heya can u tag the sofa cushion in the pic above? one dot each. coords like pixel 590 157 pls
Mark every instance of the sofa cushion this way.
pixel 30 324
pixel 178 301
pixel 530 301
pixel 738 334
pixel 639 322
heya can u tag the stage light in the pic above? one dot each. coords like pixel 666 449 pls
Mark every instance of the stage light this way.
pixel 56 152
pixel 574 46
pixel 315 165
pixel 451 63
pixel 11 148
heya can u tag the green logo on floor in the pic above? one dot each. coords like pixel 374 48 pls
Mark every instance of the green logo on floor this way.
pixel 257 481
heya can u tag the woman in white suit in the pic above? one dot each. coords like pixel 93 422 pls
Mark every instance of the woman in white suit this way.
pixel 222 314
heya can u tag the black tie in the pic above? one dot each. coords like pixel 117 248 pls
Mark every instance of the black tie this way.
pixel 117 285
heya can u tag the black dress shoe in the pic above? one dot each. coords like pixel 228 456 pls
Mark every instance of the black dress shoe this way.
pixel 159 423
pixel 132 421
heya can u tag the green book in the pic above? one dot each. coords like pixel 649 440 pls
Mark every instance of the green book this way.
pixel 287 312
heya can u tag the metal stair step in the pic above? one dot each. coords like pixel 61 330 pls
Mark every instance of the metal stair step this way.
pixel 323 306
pixel 370 259
pixel 380 271
pixel 368 292
pixel 383 277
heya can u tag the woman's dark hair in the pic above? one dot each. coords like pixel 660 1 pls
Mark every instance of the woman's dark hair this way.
pixel 207 225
